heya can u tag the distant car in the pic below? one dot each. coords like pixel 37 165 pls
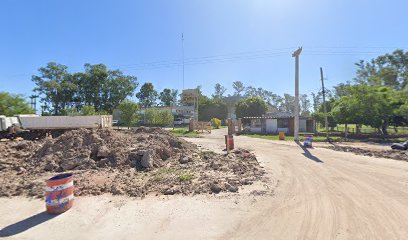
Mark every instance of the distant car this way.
pixel 115 122
pixel 178 121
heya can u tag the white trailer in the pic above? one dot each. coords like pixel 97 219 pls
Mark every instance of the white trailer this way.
pixel 65 122
pixel 6 122
pixel 34 126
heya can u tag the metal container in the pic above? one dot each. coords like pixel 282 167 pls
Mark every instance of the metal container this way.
pixel 59 193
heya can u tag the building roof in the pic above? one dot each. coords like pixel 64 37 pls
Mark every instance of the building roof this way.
pixel 276 115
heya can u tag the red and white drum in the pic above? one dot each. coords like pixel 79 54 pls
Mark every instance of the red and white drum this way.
pixel 59 193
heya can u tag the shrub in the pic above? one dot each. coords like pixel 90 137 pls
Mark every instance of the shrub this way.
pixel 216 122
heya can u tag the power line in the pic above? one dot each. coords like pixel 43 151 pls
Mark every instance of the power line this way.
pixel 246 55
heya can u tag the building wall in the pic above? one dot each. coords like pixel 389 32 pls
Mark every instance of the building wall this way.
pixel 302 125
pixel 271 125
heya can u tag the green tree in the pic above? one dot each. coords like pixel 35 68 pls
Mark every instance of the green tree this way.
pixel 102 88
pixel 129 112
pixel 158 117
pixel 272 99
pixel 12 104
pixel 88 110
pixel 389 70
pixel 304 105
pixel 367 105
pixel 288 103
pixel 147 95
pixel 251 107
pixel 318 115
pixel 219 91
pixel 96 86
pixel 212 109
pixel 238 87
pixel 56 87
pixel 168 97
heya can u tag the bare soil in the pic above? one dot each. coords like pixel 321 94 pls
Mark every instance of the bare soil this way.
pixel 133 163
pixel 372 152
pixel 317 193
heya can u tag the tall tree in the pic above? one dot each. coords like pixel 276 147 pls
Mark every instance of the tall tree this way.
pixel 96 86
pixel 238 87
pixel 219 91
pixel 304 105
pixel 55 86
pixel 147 95
pixel 174 96
pixel 168 97
pixel 288 103
pixel 367 105
pixel 389 70
pixel 272 99
pixel 317 100
pixel 11 104
pixel 129 112
pixel 212 108
pixel 104 89
pixel 251 107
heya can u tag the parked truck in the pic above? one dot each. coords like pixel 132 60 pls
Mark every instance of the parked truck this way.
pixel 34 126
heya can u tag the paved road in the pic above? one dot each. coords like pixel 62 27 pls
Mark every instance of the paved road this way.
pixel 317 194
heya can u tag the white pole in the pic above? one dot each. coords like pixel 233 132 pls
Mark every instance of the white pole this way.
pixel 296 113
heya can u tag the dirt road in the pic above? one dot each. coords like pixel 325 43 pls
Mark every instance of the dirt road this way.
pixel 312 194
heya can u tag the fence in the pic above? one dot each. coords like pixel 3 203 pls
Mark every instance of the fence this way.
pixel 200 126
pixel 368 130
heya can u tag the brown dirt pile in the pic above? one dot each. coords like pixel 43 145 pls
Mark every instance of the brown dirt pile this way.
pixel 135 163
pixel 391 154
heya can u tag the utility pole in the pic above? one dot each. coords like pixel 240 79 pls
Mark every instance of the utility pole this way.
pixel 182 49
pixel 197 102
pixel 326 124
pixel 296 122
pixel 34 102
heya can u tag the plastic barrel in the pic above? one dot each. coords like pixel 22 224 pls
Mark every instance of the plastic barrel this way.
pixel 229 142
pixel 307 140
pixel 281 135
pixel 59 193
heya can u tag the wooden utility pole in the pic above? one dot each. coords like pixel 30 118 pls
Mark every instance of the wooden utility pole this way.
pixel 296 115
pixel 326 124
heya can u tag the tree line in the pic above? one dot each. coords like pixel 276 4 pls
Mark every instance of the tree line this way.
pixel 376 97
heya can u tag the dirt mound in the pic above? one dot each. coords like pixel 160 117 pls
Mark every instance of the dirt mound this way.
pixel 134 162
pixel 391 154
pixel 85 149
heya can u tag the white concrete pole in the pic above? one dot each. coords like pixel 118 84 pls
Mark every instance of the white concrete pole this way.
pixel 296 113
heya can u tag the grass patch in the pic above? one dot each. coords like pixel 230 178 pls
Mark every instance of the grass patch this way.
pixel 162 174
pixel 185 177
pixel 333 138
pixel 183 132
pixel 291 138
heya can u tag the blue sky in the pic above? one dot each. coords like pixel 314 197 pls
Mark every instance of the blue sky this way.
pixel 224 40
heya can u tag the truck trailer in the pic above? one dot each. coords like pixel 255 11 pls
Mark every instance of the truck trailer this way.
pixel 34 126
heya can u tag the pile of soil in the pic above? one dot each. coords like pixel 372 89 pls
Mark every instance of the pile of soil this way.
pixel 391 154
pixel 135 163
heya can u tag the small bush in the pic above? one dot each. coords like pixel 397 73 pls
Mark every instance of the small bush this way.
pixel 185 177
pixel 216 122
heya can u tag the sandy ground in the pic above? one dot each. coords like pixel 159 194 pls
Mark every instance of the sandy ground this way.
pixel 313 194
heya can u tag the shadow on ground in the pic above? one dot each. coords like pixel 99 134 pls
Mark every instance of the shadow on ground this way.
pixel 26 224
pixel 308 154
